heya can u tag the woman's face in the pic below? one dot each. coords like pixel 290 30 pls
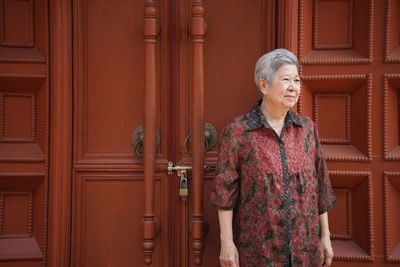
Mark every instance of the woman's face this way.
pixel 285 88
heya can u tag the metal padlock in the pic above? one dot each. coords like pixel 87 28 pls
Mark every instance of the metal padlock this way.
pixel 183 188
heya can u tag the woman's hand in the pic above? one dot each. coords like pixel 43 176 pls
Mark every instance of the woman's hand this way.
pixel 229 256
pixel 326 250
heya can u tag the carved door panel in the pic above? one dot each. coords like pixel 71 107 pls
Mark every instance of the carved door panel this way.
pixel 349 52
pixel 152 63
pixel 108 197
pixel 24 132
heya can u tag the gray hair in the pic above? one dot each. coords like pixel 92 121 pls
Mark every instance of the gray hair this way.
pixel 269 63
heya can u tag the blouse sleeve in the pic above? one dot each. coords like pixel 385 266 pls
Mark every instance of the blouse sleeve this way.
pixel 225 192
pixel 326 198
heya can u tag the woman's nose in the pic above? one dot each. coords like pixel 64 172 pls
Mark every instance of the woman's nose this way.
pixel 293 85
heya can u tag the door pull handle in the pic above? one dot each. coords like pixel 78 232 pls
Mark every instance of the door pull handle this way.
pixel 137 142
pixel 210 138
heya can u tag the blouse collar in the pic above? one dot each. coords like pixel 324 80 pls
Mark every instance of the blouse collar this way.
pixel 257 118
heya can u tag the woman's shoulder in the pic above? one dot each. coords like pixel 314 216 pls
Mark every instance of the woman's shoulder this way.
pixel 236 125
pixel 305 120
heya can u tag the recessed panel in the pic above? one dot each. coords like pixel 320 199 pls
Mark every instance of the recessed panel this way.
pixel 24 31
pixel 18 23
pixel 108 220
pixel 18 111
pixel 332 115
pixel 352 234
pixel 333 24
pixel 336 31
pixel 391 116
pixel 23 217
pixel 340 215
pixel 24 117
pixel 392 218
pixel 392 31
pixel 341 107
pixel 113 212
pixel 16 217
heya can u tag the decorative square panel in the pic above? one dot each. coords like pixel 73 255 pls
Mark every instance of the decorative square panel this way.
pixel 345 134
pixel 392 31
pixel 17 23
pixel 391 116
pixel 392 219
pixel 17 117
pixel 23 216
pixel 333 129
pixel 351 219
pixel 336 31
pixel 15 214
pixel 109 210
pixel 24 116
pixel 326 33
pixel 24 31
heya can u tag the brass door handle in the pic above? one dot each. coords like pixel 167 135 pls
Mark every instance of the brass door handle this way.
pixel 210 138
pixel 137 142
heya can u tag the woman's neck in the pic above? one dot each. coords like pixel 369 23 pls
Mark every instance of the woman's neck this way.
pixel 274 116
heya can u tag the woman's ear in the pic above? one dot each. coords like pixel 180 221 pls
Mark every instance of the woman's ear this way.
pixel 263 84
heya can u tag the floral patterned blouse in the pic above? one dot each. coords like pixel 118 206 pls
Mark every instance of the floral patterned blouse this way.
pixel 276 185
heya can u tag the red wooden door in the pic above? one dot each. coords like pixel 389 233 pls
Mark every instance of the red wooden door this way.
pixel 135 63
pixel 350 88
pixel 128 73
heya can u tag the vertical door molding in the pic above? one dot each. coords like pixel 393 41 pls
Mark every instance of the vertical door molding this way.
pixel 198 32
pixel 150 222
pixel 61 133
pixel 287 28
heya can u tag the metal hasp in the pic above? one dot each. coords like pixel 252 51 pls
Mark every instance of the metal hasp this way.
pixel 181 171
pixel 210 138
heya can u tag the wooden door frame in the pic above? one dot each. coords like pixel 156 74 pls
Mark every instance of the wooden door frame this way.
pixel 287 25
pixel 60 166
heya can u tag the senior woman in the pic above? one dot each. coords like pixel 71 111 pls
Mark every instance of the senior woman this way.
pixel 272 189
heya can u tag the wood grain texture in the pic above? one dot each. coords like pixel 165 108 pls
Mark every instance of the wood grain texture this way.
pixel 61 134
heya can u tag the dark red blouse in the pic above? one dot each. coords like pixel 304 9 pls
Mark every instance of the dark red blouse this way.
pixel 277 185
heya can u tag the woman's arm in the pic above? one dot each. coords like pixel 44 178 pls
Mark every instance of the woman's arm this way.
pixel 326 247
pixel 229 255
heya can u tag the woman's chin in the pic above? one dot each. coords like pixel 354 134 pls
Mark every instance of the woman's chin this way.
pixel 289 105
